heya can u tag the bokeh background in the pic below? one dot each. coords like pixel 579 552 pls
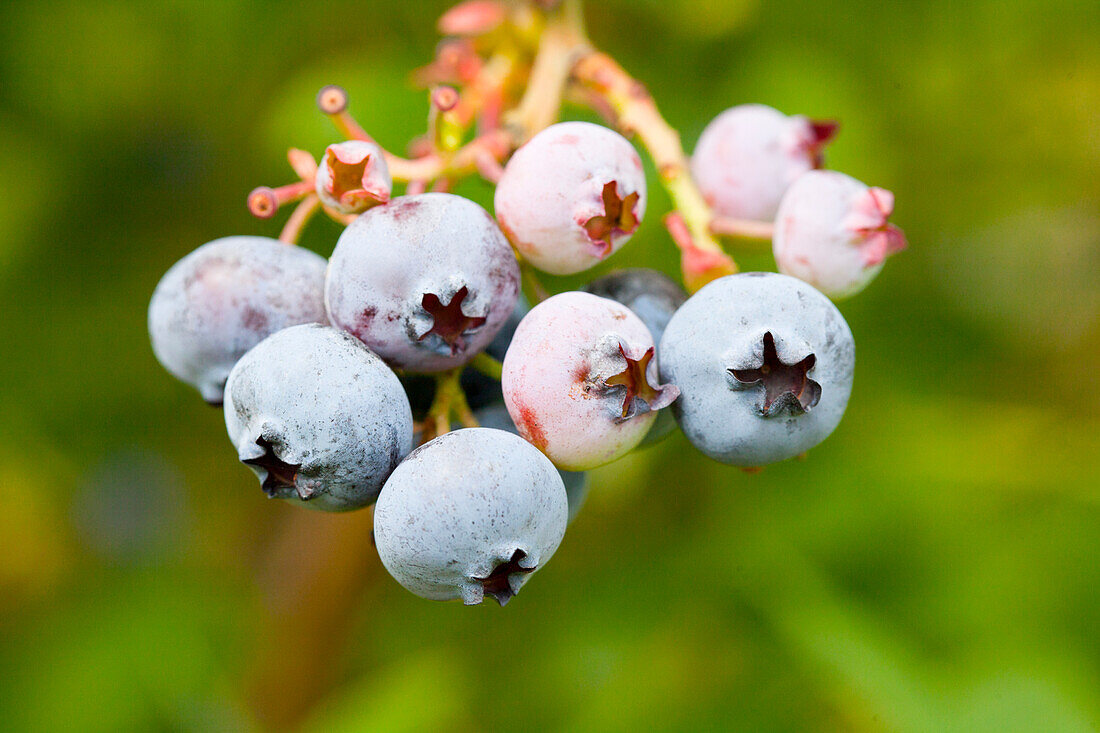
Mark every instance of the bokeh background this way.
pixel 932 566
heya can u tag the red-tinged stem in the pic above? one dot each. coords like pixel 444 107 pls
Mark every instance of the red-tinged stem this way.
pixel 303 163
pixel 349 128
pixel 636 112
pixel 698 266
pixel 489 168
pixel 741 228
pixel 562 43
pixel 303 212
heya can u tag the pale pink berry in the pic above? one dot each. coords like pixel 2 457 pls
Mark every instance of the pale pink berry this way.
pixel 748 155
pixel 571 196
pixel 832 232
pixel 353 176
pixel 581 382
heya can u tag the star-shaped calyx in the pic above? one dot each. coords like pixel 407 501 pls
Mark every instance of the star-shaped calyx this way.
pixel 618 217
pixel 786 386
pixel 280 474
pixel 638 387
pixel 353 178
pixel 448 321
pixel 496 583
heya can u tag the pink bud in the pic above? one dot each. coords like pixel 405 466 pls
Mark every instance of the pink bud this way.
pixel 749 154
pixel 832 232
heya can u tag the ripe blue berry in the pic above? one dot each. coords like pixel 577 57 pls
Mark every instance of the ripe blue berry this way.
pixel 572 195
pixel 576 482
pixel 224 298
pixel 748 155
pixel 425 281
pixel 764 364
pixel 471 513
pixel 318 417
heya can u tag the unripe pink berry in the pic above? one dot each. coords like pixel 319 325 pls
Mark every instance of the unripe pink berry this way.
pixel 580 380
pixel 353 176
pixel 572 195
pixel 748 155
pixel 832 232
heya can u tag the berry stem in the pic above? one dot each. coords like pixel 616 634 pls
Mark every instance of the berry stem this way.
pixel 741 228
pixel 303 212
pixel 449 401
pixel 536 291
pixel 562 43
pixel 264 201
pixel 703 258
pixel 488 366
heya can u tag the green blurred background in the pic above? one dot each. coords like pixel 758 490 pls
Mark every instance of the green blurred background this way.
pixel 932 566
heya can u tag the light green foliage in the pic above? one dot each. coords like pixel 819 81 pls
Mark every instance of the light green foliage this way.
pixel 932 566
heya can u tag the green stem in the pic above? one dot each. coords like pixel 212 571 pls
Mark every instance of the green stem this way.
pixel 488 366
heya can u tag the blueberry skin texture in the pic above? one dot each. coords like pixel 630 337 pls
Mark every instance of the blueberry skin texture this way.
pixel 224 298
pixel 323 401
pixel 576 482
pixel 721 328
pixel 654 297
pixel 464 504
pixel 393 255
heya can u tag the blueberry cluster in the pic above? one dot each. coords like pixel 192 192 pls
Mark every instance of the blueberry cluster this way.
pixel 322 366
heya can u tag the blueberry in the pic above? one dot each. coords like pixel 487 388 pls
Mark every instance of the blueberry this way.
pixel 576 482
pixel 224 298
pixel 318 417
pixel 572 195
pixel 654 297
pixel 834 232
pixel 764 364
pixel 748 155
pixel 425 281
pixel 580 380
pixel 471 513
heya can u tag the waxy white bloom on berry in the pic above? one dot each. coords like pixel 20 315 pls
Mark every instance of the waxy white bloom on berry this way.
pixel 748 155
pixel 833 232
pixel 472 513
pixel 224 298
pixel 764 364
pixel 353 176
pixel 580 380
pixel 572 195
pixel 425 281
pixel 318 417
